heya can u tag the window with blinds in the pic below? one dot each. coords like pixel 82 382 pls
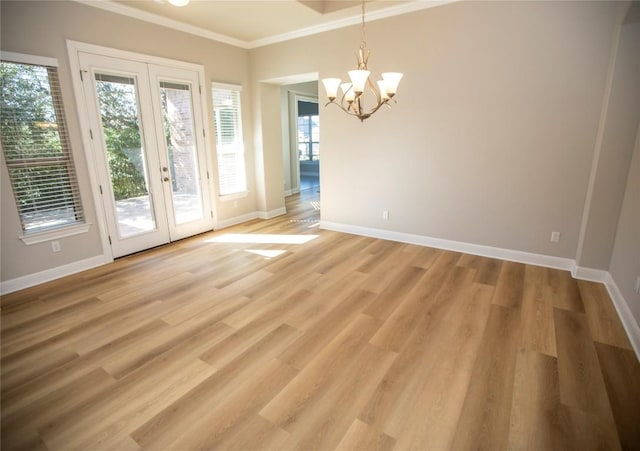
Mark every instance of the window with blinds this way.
pixel 36 147
pixel 229 145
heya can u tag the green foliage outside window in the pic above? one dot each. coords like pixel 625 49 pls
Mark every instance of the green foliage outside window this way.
pixel 35 147
pixel 118 109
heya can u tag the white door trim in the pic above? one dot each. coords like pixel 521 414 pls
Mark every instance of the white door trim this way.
pixel 73 50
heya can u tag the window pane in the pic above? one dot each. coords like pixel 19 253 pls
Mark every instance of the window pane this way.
pixel 308 138
pixel 44 195
pixel 304 133
pixel 36 147
pixel 229 145
pixel 181 144
pixel 315 128
pixel 118 100
pixel 303 151
pixel 227 120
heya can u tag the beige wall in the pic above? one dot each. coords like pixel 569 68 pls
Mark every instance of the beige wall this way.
pixel 42 28
pixel 620 116
pixel 492 139
pixel 268 148
pixel 625 259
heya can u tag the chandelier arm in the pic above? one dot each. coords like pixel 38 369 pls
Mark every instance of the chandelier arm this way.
pixel 362 117
pixel 349 105
pixel 342 102
pixel 359 104
pixel 355 105
pixel 373 88
pixel 377 107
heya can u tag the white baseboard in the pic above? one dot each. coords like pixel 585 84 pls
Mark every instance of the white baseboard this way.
pixel 236 220
pixel 272 214
pixel 20 283
pixel 621 305
pixel 590 274
pixel 456 246
pixel 624 312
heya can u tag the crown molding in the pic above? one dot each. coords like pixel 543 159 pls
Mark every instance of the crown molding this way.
pixel 135 13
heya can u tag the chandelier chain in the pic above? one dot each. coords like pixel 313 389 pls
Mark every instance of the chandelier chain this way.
pixel 363 42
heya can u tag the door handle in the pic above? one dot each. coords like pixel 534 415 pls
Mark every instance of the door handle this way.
pixel 164 169
pixel 166 179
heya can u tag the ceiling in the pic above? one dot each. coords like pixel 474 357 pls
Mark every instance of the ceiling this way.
pixel 253 23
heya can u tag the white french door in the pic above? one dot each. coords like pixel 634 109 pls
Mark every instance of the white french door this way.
pixel 147 127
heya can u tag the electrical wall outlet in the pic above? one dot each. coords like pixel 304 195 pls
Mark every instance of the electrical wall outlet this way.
pixel 555 237
pixel 385 215
pixel 55 246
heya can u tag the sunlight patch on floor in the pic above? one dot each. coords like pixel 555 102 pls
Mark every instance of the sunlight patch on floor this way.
pixel 267 254
pixel 257 238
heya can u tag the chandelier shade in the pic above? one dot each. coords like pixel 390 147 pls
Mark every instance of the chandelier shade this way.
pixel 359 80
pixel 383 90
pixel 354 94
pixel 331 86
pixel 391 81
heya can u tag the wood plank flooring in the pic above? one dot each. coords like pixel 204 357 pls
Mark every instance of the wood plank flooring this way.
pixel 276 335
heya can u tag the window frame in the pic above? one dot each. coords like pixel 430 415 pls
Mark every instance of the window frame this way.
pixel 240 192
pixel 44 234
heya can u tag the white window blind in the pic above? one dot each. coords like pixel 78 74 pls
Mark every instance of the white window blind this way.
pixel 229 145
pixel 36 147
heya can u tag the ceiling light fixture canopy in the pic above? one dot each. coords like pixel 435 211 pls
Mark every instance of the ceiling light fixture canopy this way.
pixel 179 2
pixel 352 100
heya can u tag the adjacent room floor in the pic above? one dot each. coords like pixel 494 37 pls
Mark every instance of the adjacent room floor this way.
pixel 308 182
pixel 278 335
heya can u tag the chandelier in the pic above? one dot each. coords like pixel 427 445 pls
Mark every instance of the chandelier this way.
pixel 352 100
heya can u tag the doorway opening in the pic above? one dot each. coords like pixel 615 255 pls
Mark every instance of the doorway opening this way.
pixel 300 133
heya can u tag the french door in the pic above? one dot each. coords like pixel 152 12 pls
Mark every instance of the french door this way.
pixel 147 133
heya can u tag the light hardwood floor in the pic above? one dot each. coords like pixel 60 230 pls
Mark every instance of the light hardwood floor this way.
pixel 277 335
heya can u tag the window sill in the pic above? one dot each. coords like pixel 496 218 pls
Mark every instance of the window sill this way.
pixel 233 196
pixel 41 237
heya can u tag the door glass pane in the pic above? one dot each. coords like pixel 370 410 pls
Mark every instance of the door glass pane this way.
pixel 304 138
pixel 118 99
pixel 184 176
pixel 315 128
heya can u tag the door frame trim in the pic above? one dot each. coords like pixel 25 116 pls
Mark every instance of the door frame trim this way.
pixel 73 50
pixel 293 120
